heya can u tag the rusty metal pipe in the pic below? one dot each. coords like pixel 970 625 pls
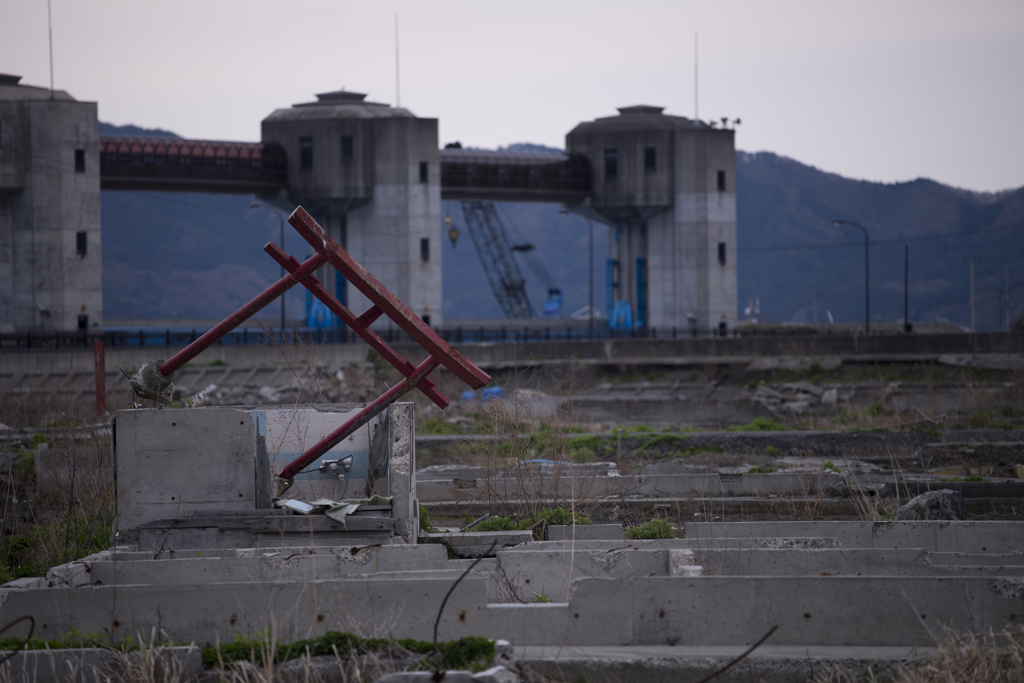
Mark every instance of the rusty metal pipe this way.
pixel 357 325
pixel 356 421
pixel 389 304
pixel 242 314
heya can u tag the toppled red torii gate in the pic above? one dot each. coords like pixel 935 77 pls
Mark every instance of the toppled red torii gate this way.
pixel 383 302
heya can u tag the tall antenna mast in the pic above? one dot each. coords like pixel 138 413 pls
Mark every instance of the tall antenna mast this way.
pixel 398 89
pixel 696 98
pixel 49 22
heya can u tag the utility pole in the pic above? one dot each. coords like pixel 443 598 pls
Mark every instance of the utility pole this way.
pixel 867 288
pixel 49 24
pixel 398 88
pixel 999 305
pixel 696 90
pixel 280 218
pixel 1007 300
pixel 970 260
pixel 590 316
pixel 906 289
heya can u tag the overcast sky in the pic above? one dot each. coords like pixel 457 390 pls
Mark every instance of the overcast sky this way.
pixel 879 90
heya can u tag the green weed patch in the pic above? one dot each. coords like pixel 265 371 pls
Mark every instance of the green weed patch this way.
pixel 656 528
pixel 759 424
pixel 473 653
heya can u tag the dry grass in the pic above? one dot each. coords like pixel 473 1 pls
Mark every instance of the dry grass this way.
pixel 150 663
pixel 59 493
pixel 314 382
pixel 965 658
pixel 808 505
pixel 527 427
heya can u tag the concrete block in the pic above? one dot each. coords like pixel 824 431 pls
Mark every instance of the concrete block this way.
pixel 584 532
pixel 94 665
pixel 951 537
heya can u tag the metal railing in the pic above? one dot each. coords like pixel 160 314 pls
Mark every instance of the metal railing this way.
pixel 150 337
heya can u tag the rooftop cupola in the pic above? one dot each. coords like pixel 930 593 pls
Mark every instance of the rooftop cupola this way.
pixel 640 109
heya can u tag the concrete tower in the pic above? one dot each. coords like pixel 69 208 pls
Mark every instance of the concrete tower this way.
pixel 50 256
pixel 666 185
pixel 370 175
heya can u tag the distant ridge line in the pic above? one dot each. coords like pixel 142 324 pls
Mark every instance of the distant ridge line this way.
pixel 901 240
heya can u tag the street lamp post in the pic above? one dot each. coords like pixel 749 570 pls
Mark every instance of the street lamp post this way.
pixel 906 289
pixel 867 295
pixel 590 314
pixel 280 217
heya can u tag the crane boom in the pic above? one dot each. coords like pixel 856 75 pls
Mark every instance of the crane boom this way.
pixel 492 244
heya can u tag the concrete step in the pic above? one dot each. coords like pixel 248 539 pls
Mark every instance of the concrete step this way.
pixel 951 537
pixel 706 610
pixel 690 664
pixel 721 509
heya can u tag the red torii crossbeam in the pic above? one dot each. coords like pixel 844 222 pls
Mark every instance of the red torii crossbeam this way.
pixel 383 302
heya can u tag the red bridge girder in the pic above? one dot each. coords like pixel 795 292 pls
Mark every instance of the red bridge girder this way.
pixel 128 163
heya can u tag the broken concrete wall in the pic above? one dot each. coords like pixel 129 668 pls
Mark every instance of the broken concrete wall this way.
pixel 177 464
pixel 404 508
pixel 172 463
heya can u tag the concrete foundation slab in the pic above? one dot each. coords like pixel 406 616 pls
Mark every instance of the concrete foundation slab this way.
pixel 841 611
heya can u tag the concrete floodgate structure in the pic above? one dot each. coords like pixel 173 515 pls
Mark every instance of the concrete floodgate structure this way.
pixel 204 556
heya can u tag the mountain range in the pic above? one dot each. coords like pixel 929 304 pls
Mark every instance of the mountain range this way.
pixel 180 255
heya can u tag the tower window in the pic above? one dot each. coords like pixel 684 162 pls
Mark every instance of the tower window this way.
pixel 721 181
pixel 424 172
pixel 425 249
pixel 82 243
pixel 650 159
pixel 721 253
pixel 305 154
pixel 611 164
pixel 83 322
pixel 79 161
pixel 346 148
